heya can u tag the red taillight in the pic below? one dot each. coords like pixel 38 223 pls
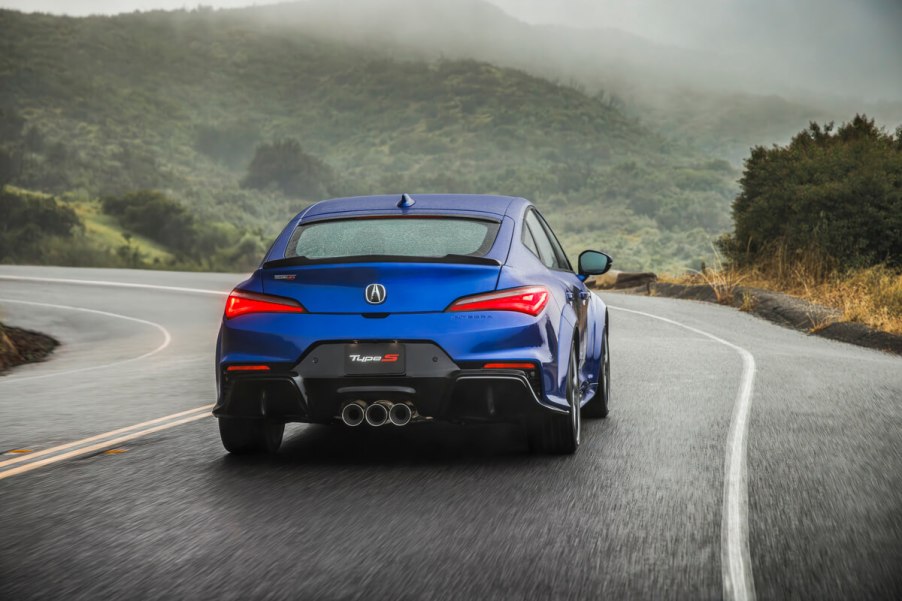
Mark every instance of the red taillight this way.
pixel 243 303
pixel 508 366
pixel 247 368
pixel 529 299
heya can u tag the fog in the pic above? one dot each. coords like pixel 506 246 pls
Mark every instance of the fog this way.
pixel 848 49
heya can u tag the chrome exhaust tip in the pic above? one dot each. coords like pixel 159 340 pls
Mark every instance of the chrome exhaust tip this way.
pixel 400 414
pixel 377 414
pixel 352 414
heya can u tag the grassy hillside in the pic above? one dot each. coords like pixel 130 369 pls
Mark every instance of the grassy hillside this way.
pixel 103 231
pixel 179 101
pixel 72 230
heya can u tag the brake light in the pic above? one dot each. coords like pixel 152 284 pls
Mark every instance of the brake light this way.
pixel 529 299
pixel 244 303
pixel 508 366
pixel 247 368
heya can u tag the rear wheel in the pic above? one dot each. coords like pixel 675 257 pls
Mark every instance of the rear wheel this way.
pixel 246 436
pixel 559 434
pixel 598 405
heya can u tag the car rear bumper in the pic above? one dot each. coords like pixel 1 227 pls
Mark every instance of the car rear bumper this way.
pixel 316 388
pixel 441 374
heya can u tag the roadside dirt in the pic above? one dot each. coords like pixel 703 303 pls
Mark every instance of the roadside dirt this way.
pixel 18 346
pixel 785 310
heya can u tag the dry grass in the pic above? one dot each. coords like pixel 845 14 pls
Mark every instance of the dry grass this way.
pixel 723 279
pixel 819 321
pixel 748 302
pixel 872 296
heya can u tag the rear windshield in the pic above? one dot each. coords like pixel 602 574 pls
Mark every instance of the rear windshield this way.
pixel 393 236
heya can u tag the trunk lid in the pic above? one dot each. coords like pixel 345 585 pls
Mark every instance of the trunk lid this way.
pixel 409 287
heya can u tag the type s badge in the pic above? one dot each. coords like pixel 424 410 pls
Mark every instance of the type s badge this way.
pixel 386 358
pixel 374 359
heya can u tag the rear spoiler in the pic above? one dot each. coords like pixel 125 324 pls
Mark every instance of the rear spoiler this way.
pixel 447 259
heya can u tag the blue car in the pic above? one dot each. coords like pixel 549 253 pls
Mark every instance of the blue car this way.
pixel 395 310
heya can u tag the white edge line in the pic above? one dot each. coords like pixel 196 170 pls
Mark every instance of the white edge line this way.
pixel 23 278
pixel 75 443
pixel 167 338
pixel 97 447
pixel 736 564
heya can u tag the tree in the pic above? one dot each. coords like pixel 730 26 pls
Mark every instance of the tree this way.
pixel 28 221
pixel 286 166
pixel 155 215
pixel 835 193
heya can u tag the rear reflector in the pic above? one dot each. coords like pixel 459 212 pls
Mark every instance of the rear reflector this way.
pixel 247 368
pixel 508 366
pixel 244 303
pixel 529 299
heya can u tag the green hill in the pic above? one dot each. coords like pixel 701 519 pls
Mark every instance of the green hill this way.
pixel 179 101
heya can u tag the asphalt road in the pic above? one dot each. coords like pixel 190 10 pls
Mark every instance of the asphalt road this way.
pixel 439 512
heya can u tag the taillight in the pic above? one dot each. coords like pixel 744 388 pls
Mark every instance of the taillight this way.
pixel 247 368
pixel 529 299
pixel 244 303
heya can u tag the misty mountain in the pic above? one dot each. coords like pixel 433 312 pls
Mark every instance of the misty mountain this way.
pixel 479 30
pixel 723 102
pixel 182 102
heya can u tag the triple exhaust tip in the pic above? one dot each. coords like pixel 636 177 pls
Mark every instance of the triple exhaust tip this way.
pixel 352 414
pixel 376 414
pixel 400 414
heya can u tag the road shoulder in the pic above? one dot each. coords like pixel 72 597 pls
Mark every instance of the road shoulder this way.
pixel 784 310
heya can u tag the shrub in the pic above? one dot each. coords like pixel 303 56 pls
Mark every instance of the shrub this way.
pixel 286 166
pixel 26 221
pixel 155 215
pixel 837 194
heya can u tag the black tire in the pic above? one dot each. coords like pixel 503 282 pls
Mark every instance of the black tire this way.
pixel 559 434
pixel 597 407
pixel 246 436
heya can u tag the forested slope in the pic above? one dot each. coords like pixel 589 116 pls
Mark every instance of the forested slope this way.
pixel 180 101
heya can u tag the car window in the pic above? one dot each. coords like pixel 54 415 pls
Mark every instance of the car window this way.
pixel 393 236
pixel 560 256
pixel 546 250
pixel 529 242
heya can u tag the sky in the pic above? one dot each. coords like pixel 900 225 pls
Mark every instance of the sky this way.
pixel 856 39
pixel 684 22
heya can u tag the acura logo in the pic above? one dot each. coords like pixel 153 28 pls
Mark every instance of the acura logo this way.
pixel 375 294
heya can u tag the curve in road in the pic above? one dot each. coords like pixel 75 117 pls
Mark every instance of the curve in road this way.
pixel 452 512
pixel 738 583
pixel 167 338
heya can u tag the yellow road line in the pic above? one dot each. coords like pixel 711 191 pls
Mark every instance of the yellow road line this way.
pixel 69 445
pixel 97 447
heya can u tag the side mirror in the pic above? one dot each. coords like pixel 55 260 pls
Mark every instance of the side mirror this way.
pixel 592 262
